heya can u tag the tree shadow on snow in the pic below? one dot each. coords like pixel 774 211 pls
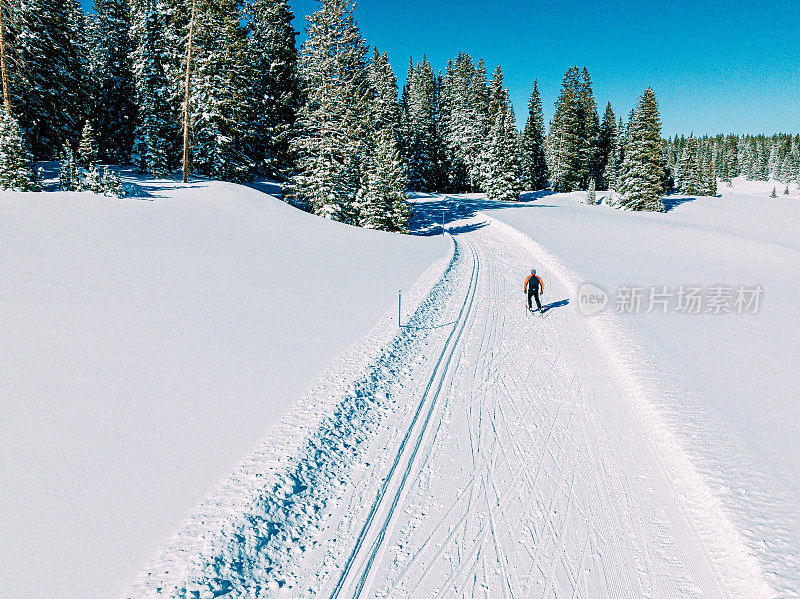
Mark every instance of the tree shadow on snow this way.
pixel 672 202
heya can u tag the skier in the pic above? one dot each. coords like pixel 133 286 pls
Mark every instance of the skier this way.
pixel 534 286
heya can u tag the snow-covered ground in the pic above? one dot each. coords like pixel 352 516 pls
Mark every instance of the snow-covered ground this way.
pixel 728 383
pixel 146 345
pixel 162 349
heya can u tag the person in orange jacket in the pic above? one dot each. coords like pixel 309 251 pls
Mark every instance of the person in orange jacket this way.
pixel 533 287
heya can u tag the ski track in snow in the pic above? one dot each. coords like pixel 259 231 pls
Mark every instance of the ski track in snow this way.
pixel 479 451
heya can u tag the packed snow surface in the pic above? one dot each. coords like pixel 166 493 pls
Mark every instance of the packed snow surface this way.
pixel 728 383
pixel 476 450
pixel 162 353
pixel 146 345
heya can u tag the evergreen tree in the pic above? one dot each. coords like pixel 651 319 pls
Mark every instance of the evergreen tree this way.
pixel 381 198
pixel 274 86
pixel 333 121
pixel 642 169
pixel 589 132
pixel 115 102
pixel 533 160
pixel 218 105
pixel 87 151
pixel 49 91
pixel 421 135
pixel 774 194
pixel 566 148
pixel 384 107
pixel 463 116
pixel 68 175
pixel 154 129
pixel 591 195
pixel 500 161
pixel 606 141
pixel 15 172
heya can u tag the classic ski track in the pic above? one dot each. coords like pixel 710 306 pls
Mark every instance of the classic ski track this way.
pixel 495 392
pixel 438 376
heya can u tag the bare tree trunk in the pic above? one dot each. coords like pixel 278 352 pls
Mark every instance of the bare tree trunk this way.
pixel 186 101
pixel 6 91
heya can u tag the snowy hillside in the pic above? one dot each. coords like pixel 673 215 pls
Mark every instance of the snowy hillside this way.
pixel 147 344
pixel 728 381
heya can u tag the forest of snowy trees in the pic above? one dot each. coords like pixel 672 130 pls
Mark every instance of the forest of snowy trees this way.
pixel 223 84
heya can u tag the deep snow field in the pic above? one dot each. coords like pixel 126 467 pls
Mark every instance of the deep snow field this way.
pixel 729 382
pixel 146 345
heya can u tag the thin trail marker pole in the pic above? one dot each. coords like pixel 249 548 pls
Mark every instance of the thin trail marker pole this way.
pixel 399 307
pixel 442 223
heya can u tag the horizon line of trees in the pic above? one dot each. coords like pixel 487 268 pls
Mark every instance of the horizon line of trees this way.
pixel 328 118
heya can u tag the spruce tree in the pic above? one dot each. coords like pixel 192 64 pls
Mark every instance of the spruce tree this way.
pixel 642 169
pixel 49 91
pixel 566 156
pixel 218 105
pixel 68 175
pixel 155 127
pixel 591 195
pixel 532 146
pixel 589 132
pixel 421 144
pixel 274 86
pixel 15 171
pixel 334 126
pixel 115 101
pixel 87 151
pixel 381 199
pixel 500 161
pixel 606 141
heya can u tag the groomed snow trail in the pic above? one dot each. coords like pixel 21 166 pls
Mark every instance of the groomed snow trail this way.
pixel 523 469
pixel 478 451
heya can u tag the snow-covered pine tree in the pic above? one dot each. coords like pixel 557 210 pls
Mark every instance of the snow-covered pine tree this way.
pixel 589 131
pixel 606 141
pixel 420 132
pixel 642 169
pixel 532 146
pixel 591 195
pixel 381 198
pixel 156 123
pixel 334 122
pixel 709 181
pixel 566 149
pixel 114 110
pixel 384 107
pixel 501 161
pixel 218 106
pixel 774 194
pixel 274 86
pixel 87 151
pixel 15 171
pixel 463 121
pixel 68 177
pixel 49 89
pixel 92 180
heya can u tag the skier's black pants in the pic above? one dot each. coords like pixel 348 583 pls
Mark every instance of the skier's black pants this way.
pixel 535 294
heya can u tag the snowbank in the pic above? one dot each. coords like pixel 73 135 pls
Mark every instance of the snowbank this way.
pixel 147 344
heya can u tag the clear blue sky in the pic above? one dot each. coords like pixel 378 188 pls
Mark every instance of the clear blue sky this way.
pixel 721 66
